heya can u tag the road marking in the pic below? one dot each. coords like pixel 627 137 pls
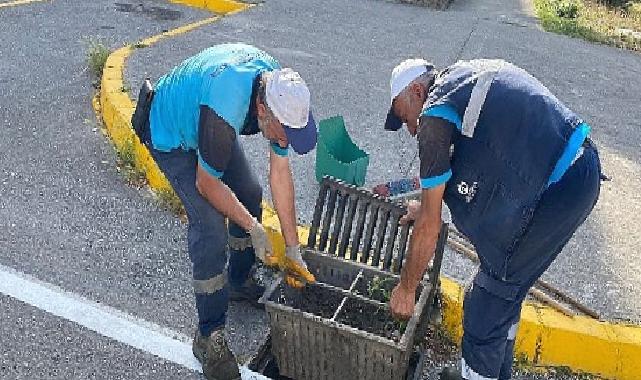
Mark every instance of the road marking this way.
pixel 107 321
pixel 18 2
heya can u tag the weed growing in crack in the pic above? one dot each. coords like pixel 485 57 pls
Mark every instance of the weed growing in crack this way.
pixel 524 366
pixel 139 45
pixel 521 361
pixel 97 57
pixel 126 164
pixel 170 202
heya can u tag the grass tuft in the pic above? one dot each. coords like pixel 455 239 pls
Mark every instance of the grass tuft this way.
pixel 170 202
pixel 97 55
pixel 617 24
pixel 126 165
pixel 139 45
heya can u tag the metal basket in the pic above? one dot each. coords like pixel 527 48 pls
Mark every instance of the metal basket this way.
pixel 324 344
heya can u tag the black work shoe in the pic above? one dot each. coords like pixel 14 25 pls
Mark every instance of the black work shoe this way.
pixel 451 373
pixel 250 291
pixel 218 362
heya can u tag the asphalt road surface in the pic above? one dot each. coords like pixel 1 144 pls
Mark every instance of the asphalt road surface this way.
pixel 68 219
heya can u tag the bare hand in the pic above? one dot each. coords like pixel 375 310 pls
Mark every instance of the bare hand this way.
pixel 413 209
pixel 402 302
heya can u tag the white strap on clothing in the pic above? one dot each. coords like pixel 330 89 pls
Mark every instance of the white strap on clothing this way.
pixel 211 285
pixel 236 243
pixel 477 99
pixel 488 68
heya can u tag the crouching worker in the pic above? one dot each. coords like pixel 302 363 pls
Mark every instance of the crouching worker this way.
pixel 191 124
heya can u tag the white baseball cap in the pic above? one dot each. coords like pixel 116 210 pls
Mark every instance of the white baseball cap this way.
pixel 288 98
pixel 402 75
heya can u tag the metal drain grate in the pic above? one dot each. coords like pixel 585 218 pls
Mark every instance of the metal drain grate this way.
pixel 358 225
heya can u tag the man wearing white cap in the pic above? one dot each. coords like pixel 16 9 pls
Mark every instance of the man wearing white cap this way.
pixel 197 113
pixel 519 175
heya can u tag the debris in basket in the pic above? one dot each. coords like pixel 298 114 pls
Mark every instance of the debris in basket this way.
pixel 311 299
pixel 371 318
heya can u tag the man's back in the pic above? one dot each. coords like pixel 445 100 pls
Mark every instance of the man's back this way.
pixel 220 77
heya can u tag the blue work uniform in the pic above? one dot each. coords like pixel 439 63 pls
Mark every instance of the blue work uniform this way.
pixel 198 111
pixel 520 176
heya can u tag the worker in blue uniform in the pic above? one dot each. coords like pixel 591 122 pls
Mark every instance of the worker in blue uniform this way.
pixel 519 174
pixel 191 122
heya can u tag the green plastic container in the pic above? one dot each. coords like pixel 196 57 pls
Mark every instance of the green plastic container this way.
pixel 337 155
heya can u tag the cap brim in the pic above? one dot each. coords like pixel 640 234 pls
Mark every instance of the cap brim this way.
pixel 392 122
pixel 302 140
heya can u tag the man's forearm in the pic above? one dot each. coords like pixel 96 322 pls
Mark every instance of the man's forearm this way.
pixel 282 188
pixel 424 236
pixel 421 251
pixel 224 200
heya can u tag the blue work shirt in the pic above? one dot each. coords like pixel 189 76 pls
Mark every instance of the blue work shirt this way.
pixel 221 78
pixel 438 173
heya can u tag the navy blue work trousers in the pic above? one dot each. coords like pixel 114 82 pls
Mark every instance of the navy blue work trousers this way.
pixel 208 232
pixel 492 306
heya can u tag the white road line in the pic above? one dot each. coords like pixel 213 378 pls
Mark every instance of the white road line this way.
pixel 18 2
pixel 112 323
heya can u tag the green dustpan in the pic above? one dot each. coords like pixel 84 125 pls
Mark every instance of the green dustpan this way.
pixel 337 155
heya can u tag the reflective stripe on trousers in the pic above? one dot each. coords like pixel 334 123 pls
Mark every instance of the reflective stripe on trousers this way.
pixel 469 374
pixel 208 235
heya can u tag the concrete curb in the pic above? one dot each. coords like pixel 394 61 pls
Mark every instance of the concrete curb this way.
pixel 545 337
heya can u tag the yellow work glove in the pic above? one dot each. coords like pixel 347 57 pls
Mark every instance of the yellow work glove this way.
pixel 296 266
pixel 294 282
pixel 293 265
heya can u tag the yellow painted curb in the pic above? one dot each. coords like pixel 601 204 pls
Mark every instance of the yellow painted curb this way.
pixel 216 6
pixel 545 337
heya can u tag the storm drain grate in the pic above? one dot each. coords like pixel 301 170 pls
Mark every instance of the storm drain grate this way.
pixel 355 224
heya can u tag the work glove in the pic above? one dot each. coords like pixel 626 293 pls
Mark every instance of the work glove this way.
pixel 291 263
pixel 293 266
pixel 260 242
pixel 294 282
pixel 297 273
